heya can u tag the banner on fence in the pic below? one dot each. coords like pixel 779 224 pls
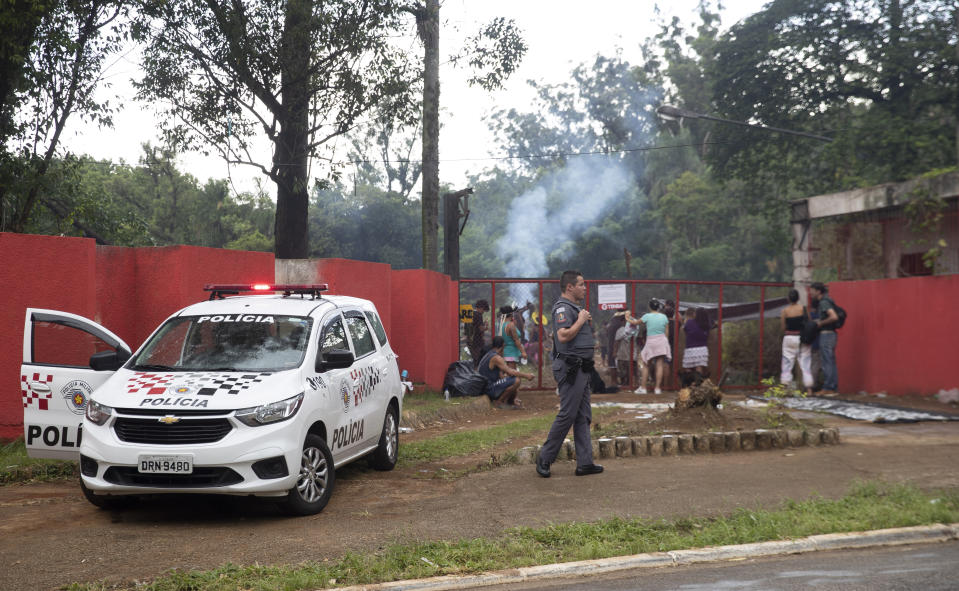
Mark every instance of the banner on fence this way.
pixel 612 296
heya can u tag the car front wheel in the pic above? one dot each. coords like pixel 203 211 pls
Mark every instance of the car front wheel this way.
pixel 314 484
pixel 108 502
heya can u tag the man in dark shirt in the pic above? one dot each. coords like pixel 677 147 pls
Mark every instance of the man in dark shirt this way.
pixel 572 367
pixel 827 338
pixel 502 380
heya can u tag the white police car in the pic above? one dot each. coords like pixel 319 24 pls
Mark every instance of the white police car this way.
pixel 251 395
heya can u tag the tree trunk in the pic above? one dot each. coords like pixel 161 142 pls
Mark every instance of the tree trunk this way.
pixel 428 26
pixel 291 155
pixel 20 34
pixel 87 31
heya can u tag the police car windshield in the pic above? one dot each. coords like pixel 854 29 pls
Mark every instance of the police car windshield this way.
pixel 226 342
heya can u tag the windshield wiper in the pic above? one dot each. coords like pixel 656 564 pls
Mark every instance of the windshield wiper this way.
pixel 151 367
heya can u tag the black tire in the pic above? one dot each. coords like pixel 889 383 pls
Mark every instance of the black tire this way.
pixel 314 483
pixel 385 454
pixel 107 502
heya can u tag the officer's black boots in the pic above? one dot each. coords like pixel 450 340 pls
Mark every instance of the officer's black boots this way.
pixel 542 468
pixel 587 469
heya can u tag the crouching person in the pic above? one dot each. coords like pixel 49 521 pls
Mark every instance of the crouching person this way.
pixel 502 380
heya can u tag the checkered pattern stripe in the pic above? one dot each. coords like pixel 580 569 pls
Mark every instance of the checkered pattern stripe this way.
pixel 201 383
pixel 149 383
pixel 42 399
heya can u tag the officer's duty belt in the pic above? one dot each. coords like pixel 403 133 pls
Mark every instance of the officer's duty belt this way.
pixel 575 363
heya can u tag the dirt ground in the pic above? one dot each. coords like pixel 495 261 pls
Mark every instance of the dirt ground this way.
pixel 50 536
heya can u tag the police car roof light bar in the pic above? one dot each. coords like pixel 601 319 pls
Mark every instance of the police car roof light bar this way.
pixel 218 290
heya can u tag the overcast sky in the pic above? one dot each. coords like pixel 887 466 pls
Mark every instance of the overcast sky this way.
pixel 560 34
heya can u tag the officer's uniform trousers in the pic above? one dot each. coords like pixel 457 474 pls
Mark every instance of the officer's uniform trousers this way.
pixel 574 410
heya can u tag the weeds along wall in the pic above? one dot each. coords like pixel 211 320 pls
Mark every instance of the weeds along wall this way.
pixel 132 290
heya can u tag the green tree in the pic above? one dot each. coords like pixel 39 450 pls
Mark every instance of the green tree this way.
pixel 366 224
pixel 300 73
pixel 19 23
pixel 151 204
pixel 881 76
pixel 52 55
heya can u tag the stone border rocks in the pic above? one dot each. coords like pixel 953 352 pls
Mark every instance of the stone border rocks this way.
pixel 693 443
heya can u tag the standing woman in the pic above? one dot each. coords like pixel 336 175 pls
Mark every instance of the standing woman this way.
pixel 513 350
pixel 791 321
pixel 657 348
pixel 696 355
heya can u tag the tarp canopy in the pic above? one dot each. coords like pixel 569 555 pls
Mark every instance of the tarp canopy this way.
pixel 734 312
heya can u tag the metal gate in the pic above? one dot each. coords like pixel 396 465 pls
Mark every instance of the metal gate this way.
pixel 751 344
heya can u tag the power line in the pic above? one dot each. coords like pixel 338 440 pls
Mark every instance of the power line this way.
pixel 552 155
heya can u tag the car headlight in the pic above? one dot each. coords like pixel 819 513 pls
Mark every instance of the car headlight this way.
pixel 266 414
pixel 97 413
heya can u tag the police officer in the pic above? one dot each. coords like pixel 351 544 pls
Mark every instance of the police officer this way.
pixel 572 368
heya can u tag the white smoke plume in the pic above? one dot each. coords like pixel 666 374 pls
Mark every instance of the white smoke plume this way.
pixel 549 218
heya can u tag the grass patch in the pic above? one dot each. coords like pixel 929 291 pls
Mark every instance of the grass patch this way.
pixel 15 466
pixel 463 443
pixel 867 506
pixel 466 442
pixel 428 401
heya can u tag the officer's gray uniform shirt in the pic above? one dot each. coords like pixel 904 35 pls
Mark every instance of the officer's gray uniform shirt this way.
pixel 565 314
pixel 574 410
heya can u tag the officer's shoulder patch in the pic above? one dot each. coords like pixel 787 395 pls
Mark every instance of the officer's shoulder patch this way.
pixel 561 314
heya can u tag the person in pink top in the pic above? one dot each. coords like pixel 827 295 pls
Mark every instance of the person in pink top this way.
pixel 657 350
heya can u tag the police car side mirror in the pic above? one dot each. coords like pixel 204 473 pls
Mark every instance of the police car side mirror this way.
pixel 334 359
pixel 108 360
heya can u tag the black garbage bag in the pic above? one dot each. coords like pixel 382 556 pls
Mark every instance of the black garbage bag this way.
pixel 598 386
pixel 462 380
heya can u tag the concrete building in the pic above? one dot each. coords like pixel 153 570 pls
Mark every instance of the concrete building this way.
pixel 870 234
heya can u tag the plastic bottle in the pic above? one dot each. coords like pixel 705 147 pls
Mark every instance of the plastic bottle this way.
pixel 446 394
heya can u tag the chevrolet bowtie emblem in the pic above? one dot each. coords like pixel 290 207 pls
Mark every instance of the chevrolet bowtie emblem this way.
pixel 169 419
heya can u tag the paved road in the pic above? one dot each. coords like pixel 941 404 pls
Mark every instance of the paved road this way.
pixel 932 567
pixel 50 536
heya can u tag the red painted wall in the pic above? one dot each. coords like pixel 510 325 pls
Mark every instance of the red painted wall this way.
pixel 361 279
pixel 418 309
pixel 37 272
pixel 116 280
pixel 132 290
pixel 172 277
pixel 901 335
pixel 426 324
pixel 128 290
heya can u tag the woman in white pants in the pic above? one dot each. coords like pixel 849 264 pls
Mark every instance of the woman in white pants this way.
pixel 791 321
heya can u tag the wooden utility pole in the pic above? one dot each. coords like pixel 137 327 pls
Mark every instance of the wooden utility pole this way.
pixel 428 28
pixel 452 213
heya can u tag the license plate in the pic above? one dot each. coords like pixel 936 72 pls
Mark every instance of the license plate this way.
pixel 165 465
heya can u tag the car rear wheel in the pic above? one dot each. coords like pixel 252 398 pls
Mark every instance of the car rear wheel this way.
pixel 314 484
pixel 385 454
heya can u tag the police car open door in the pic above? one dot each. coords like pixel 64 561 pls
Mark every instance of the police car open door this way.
pixel 65 358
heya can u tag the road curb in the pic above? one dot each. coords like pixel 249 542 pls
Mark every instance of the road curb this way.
pixel 883 537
